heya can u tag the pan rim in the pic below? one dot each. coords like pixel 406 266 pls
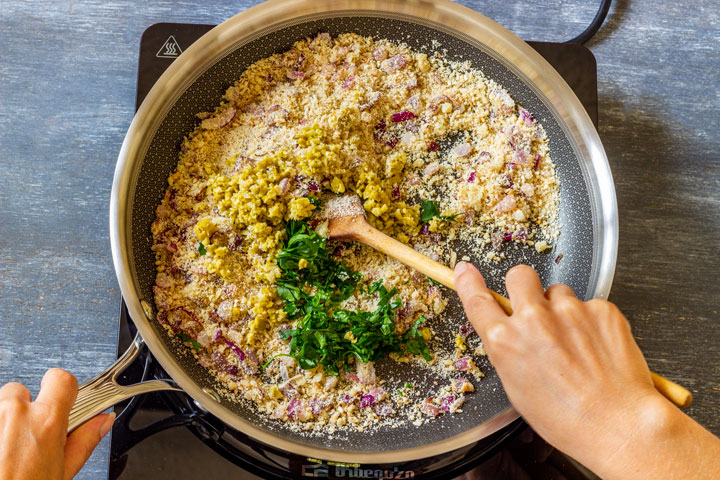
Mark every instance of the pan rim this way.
pixel 247 25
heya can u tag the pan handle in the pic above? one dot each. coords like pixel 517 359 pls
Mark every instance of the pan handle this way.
pixel 103 391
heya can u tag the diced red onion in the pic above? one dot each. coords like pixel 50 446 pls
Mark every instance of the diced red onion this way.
pixel 284 183
pixel 463 364
pixel 366 401
pixel 224 310
pixel 318 405
pixel 434 238
pixel 378 393
pixel 507 204
pixel 484 156
pixel 162 211
pixel 431 169
pixel 348 82
pixel 459 385
pixel 437 100
pixel 402 116
pixel 508 181
pixel 424 229
pixel 413 102
pixel 466 329
pixel 235 349
pixel 393 64
pixel 507 237
pixel 234 242
pixel 293 408
pixel 412 126
pixel 520 235
pixel 224 117
pixel 429 409
pixel 433 290
pixel 352 377
pixel 462 150
pixel 433 146
pixel 295 75
pixel 413 180
pixel 471 177
pixel 314 187
pixel 522 157
pixel 558 258
pixel 202 338
pixel 164 281
pixel 345 398
pixel 217 334
pixel 446 403
pixel 370 100
pixel 395 193
pixel 380 54
pixel 179 322
pixel 526 117
pixel 383 409
pixel 222 364
pixel 537 161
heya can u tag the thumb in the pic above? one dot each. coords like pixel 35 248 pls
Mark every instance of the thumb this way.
pixel 480 306
pixel 81 442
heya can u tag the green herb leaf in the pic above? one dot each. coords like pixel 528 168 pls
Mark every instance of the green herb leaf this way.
pixel 201 249
pixel 185 338
pixel 429 209
pixel 434 282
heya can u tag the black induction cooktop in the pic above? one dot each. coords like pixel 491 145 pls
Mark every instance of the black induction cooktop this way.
pixel 166 435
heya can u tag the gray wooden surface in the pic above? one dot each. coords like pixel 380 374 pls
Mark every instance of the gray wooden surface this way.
pixel 67 92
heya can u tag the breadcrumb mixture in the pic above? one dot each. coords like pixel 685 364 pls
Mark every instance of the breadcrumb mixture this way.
pixel 399 128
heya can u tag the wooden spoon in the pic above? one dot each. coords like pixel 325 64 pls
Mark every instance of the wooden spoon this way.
pixel 346 221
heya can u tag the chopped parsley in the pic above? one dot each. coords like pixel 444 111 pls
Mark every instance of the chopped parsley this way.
pixel 185 338
pixel 326 334
pixel 429 210
pixel 201 249
pixel 434 282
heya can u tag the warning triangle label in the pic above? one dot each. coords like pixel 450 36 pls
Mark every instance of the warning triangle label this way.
pixel 170 49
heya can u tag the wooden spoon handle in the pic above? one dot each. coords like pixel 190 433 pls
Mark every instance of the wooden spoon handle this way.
pixel 677 394
pixel 440 273
pixel 412 258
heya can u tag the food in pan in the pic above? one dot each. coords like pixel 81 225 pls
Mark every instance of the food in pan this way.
pixel 438 154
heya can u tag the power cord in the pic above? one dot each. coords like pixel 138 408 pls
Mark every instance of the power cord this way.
pixel 595 25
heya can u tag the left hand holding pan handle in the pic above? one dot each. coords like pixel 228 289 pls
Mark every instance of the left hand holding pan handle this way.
pixel 34 443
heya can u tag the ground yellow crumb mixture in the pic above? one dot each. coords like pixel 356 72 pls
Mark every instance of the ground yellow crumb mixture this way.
pixel 436 153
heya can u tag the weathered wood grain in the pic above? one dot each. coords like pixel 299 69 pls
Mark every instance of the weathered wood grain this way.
pixel 67 89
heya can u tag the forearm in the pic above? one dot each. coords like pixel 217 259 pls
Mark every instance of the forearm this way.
pixel 655 440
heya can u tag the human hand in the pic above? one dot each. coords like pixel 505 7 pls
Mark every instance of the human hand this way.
pixel 571 368
pixel 34 444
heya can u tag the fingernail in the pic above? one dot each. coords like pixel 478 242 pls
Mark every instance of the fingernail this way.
pixel 107 424
pixel 460 267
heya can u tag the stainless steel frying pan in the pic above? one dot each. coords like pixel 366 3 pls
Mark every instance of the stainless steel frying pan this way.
pixel 196 81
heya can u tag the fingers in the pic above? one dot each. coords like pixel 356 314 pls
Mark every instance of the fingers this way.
pixel 58 389
pixel 559 290
pixel 15 390
pixel 480 307
pixel 523 286
pixel 81 442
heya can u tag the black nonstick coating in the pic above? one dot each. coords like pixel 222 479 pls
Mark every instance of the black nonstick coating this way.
pixel 576 242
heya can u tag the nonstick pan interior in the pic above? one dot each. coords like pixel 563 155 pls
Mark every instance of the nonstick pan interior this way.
pixel 577 242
